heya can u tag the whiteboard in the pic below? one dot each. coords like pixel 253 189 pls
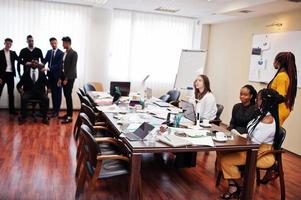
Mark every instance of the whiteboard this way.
pixel 261 65
pixel 192 63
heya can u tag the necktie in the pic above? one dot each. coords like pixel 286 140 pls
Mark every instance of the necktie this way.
pixel 52 58
pixel 34 76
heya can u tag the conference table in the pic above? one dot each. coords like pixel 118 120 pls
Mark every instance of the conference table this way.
pixel 137 148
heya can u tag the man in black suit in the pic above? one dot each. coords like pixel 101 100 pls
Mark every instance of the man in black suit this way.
pixel 8 73
pixel 27 54
pixel 34 85
pixel 68 76
pixel 54 58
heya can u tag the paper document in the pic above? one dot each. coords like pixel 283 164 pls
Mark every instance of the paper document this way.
pixel 174 141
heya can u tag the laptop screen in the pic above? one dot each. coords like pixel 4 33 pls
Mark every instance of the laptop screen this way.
pixel 143 130
pixel 189 111
pixel 124 87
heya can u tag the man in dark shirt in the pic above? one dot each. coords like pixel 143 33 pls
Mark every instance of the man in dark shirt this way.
pixel 28 54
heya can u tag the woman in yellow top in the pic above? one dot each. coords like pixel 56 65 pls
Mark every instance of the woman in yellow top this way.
pixel 285 82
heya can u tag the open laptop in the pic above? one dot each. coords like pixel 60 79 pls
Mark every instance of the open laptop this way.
pixel 140 133
pixel 124 87
pixel 189 111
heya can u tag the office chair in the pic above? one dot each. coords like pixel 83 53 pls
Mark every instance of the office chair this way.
pixel 217 121
pixel 83 93
pixel 88 88
pixel 98 86
pixel 33 103
pixel 164 97
pixel 277 166
pixel 174 95
pixel 96 166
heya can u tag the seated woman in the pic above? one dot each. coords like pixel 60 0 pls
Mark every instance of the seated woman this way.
pixel 262 130
pixel 244 112
pixel 205 100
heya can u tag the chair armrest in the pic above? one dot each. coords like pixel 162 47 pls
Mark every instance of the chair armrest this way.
pixel 270 152
pixel 112 157
pixel 100 123
pixel 101 128
pixel 107 139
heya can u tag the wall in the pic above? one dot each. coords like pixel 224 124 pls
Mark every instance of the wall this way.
pixel 228 64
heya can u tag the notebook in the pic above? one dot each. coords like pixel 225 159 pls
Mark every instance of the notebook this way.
pixel 174 141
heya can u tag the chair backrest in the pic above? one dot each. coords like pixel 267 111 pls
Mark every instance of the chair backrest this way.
pixel 92 149
pixel 280 139
pixel 88 88
pixel 89 112
pixel 174 95
pixel 80 96
pixel 85 120
pixel 98 86
pixel 220 109
pixel 82 91
pixel 87 101
pixel 165 97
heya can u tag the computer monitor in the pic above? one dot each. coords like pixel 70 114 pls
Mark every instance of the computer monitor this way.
pixel 124 87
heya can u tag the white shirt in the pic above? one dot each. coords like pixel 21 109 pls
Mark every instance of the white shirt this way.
pixel 31 49
pixel 263 133
pixel 8 61
pixel 36 72
pixel 64 57
pixel 206 107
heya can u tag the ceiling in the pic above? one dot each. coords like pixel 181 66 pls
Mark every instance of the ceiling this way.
pixel 207 11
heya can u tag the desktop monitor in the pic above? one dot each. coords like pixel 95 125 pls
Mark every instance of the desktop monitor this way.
pixel 124 87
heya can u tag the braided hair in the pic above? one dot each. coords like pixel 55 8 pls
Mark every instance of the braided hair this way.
pixel 270 101
pixel 287 62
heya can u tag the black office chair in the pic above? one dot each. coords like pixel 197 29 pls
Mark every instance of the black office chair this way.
pixel 83 93
pixel 174 96
pixel 96 166
pixel 33 104
pixel 217 121
pixel 164 97
pixel 88 88
pixel 277 166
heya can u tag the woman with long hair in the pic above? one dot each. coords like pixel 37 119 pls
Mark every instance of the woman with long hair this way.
pixel 285 82
pixel 205 100
pixel 263 130
pixel 245 111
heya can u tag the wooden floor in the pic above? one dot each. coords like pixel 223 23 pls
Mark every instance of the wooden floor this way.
pixel 38 162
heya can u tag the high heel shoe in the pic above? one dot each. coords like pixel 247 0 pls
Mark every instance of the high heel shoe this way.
pixel 233 195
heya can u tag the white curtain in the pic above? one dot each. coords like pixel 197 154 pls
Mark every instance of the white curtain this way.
pixel 19 18
pixel 148 44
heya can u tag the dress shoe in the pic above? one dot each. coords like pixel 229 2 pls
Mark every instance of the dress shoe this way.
pixel 63 117
pixel 45 121
pixel 21 120
pixel 54 114
pixel 67 120
pixel 13 113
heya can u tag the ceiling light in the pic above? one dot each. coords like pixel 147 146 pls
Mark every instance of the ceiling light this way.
pixel 170 10
pixel 96 1
pixel 245 11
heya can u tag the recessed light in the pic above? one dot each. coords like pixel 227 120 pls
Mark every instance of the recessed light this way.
pixel 245 11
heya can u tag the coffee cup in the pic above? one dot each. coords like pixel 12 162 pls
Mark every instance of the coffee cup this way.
pixel 220 136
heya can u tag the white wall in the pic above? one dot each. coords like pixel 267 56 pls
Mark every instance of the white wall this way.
pixel 229 60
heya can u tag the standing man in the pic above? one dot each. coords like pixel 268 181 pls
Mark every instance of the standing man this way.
pixel 54 58
pixel 28 54
pixel 8 73
pixel 68 76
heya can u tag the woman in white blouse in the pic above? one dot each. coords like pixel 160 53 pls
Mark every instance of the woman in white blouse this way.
pixel 205 101
pixel 263 130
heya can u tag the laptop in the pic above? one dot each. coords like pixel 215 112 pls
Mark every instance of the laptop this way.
pixel 124 87
pixel 189 111
pixel 140 133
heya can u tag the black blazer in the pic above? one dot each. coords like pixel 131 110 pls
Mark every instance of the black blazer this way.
pixel 28 85
pixel 69 65
pixel 56 68
pixel 3 64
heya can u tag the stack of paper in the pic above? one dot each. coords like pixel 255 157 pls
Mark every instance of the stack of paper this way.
pixel 174 141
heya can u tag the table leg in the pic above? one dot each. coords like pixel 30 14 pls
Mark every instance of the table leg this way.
pixel 249 176
pixel 135 178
